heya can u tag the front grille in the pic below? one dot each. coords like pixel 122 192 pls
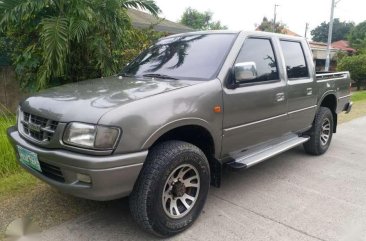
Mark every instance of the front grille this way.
pixel 38 128
pixel 52 172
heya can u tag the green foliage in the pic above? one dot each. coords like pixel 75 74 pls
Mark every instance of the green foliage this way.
pixel 341 55
pixel 138 40
pixel 4 57
pixel 8 164
pixel 340 31
pixel 200 20
pixel 357 37
pixel 356 65
pixel 267 26
pixel 58 41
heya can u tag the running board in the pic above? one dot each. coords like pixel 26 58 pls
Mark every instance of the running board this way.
pixel 261 155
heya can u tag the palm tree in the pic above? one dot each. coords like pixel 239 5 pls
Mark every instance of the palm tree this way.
pixel 68 36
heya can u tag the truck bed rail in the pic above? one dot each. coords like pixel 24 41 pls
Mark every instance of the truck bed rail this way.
pixel 331 76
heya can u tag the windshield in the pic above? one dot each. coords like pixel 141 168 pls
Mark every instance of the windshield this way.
pixel 197 56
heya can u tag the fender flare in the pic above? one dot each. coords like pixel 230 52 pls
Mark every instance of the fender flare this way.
pixel 335 115
pixel 327 93
pixel 180 123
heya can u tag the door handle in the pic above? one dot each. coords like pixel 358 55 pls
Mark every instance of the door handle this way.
pixel 280 97
pixel 309 91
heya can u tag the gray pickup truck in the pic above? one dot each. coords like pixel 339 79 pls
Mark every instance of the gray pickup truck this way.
pixel 162 130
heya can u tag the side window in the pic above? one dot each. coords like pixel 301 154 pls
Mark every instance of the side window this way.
pixel 295 60
pixel 260 51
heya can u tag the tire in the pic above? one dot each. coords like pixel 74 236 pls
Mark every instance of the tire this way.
pixel 165 164
pixel 320 133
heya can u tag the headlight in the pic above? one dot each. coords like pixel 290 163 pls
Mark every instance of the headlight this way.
pixel 91 136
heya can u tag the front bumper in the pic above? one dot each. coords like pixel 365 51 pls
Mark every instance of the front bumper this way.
pixel 112 176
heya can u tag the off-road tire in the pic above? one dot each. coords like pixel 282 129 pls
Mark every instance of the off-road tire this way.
pixel 315 146
pixel 146 199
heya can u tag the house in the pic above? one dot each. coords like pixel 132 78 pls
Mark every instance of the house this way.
pixel 143 20
pixel 319 51
pixel 289 32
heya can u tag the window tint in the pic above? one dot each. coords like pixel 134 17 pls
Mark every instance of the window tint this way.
pixel 260 52
pixel 294 59
pixel 197 56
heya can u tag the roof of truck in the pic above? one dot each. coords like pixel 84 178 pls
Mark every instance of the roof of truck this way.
pixel 257 33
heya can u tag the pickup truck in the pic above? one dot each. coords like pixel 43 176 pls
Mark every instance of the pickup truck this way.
pixel 163 129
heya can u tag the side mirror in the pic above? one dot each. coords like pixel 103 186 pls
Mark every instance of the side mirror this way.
pixel 245 71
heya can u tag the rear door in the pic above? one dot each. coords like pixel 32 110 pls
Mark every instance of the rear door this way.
pixel 301 84
pixel 255 111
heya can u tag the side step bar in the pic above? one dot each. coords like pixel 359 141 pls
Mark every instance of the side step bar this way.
pixel 252 159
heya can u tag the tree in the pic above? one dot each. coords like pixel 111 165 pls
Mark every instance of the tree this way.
pixel 356 65
pixel 4 49
pixel 267 26
pixel 57 41
pixel 200 21
pixel 340 31
pixel 357 37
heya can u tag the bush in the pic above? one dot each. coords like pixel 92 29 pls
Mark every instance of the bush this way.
pixel 356 65
pixel 57 42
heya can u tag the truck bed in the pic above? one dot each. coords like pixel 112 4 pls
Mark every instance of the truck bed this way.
pixel 338 83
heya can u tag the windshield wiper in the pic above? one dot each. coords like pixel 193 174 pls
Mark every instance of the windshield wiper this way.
pixel 160 76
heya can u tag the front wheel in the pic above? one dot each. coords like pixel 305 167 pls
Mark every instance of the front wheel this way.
pixel 321 132
pixel 172 188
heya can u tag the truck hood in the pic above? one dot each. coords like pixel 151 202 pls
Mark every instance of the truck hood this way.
pixel 87 101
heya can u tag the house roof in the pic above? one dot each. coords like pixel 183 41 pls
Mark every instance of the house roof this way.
pixel 289 32
pixel 285 31
pixel 141 19
pixel 338 45
pixel 317 45
pixel 343 45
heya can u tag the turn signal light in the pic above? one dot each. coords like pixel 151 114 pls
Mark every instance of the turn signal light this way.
pixel 217 109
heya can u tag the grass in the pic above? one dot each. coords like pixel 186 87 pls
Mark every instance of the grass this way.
pixel 358 110
pixel 16 183
pixel 358 96
pixel 8 163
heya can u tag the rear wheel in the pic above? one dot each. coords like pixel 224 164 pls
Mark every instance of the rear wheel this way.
pixel 172 188
pixel 321 132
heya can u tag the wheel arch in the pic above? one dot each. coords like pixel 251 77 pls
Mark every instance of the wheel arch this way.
pixel 197 124
pixel 196 132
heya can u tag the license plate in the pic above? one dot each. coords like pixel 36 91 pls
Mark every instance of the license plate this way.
pixel 29 158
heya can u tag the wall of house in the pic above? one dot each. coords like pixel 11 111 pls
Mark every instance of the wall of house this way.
pixel 10 93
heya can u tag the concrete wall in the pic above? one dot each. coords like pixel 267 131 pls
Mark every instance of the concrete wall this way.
pixel 10 93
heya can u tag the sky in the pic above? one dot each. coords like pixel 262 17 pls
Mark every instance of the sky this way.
pixel 244 14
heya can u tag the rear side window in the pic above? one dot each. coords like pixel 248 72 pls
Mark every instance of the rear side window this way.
pixel 294 59
pixel 260 52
